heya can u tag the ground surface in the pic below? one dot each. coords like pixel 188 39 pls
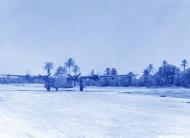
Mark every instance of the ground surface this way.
pixel 28 111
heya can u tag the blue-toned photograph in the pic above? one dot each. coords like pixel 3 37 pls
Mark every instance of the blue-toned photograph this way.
pixel 94 68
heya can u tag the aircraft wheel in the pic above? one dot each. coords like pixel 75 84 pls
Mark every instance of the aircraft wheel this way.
pixel 48 89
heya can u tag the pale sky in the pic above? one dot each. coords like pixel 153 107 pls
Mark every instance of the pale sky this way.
pixel 125 34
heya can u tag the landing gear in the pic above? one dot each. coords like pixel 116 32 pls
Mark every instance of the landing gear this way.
pixel 48 88
pixel 81 85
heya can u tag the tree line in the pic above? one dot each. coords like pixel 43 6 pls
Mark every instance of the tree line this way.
pixel 166 75
pixel 69 68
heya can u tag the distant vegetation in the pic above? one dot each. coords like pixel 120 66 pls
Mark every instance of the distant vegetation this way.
pixel 69 68
pixel 166 75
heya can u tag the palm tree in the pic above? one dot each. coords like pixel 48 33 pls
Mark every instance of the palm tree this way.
pixel 114 71
pixel 69 64
pixel 61 70
pixel 107 71
pixel 92 72
pixel 146 72
pixel 76 69
pixel 48 67
pixel 150 68
pixel 146 77
pixel 130 77
pixel 164 71
pixel 164 63
pixel 184 64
